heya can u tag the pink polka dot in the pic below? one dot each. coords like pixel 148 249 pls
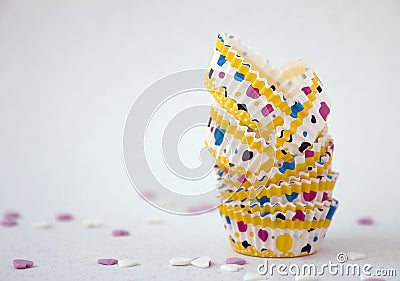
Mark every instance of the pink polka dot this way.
pixel 267 110
pixel 324 110
pixel 221 74
pixel 309 153
pixel 253 93
pixel 299 215
pixel 307 90
pixel 242 226
pixel 309 196
pixel 263 235
pixel 242 178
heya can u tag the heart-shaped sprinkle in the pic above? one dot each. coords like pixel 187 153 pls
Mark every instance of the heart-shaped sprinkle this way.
pixel 41 225
pixel 11 215
pixel 365 221
pixel 107 261
pixel 22 264
pixel 305 278
pixel 120 232
pixel 230 267
pixel 92 223
pixel 235 260
pixel 353 256
pixel 154 220
pixel 64 217
pixel 201 262
pixel 179 261
pixel 253 276
pixel 128 263
pixel 8 223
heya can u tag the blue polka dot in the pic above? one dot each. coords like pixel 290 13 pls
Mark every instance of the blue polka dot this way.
pixel 315 239
pixel 304 134
pixel 219 135
pixel 238 76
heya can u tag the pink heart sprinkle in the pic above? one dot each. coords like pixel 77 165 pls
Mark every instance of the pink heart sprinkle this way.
pixel 235 260
pixel 22 264
pixel 64 217
pixel 8 223
pixel 365 221
pixel 11 215
pixel 107 261
pixel 120 232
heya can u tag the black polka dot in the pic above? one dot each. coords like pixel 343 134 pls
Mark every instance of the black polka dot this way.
pixel 319 89
pixel 313 120
pixel 304 146
pixel 247 155
pixel 226 92
pixel 273 87
pixel 306 248
pixel 242 106
pixel 209 122
pixel 245 244
pixel 281 216
pixel 210 73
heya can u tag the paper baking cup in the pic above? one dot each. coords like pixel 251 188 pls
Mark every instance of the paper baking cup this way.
pixel 282 215
pixel 239 82
pixel 297 190
pixel 318 160
pixel 236 147
pixel 256 236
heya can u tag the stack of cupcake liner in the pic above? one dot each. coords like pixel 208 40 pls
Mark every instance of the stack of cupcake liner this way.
pixel 269 136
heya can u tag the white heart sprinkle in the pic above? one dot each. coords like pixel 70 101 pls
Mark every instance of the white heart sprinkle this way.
pixel 180 261
pixel 93 223
pixel 305 278
pixel 127 263
pixel 230 267
pixel 42 225
pixel 154 220
pixel 253 276
pixel 201 262
pixel 353 256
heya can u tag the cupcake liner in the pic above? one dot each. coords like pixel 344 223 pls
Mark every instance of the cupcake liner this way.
pixel 317 160
pixel 237 147
pixel 265 237
pixel 239 83
pixel 266 213
pixel 296 190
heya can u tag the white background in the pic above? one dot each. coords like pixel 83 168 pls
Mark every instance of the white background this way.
pixel 69 71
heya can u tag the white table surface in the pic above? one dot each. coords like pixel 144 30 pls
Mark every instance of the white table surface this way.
pixel 69 71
